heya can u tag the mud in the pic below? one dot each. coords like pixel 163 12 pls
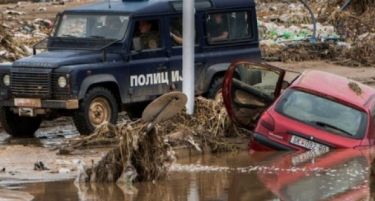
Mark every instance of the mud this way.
pixel 18 163
pixel 365 75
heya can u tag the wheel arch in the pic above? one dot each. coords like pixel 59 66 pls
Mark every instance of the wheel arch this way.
pixel 214 72
pixel 103 80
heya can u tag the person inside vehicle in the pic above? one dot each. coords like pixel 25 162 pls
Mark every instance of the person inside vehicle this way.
pixel 217 29
pixel 177 38
pixel 176 31
pixel 149 38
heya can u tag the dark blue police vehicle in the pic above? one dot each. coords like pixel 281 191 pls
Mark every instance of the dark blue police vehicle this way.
pixel 109 57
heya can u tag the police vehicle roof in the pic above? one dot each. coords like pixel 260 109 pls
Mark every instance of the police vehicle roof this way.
pixel 145 7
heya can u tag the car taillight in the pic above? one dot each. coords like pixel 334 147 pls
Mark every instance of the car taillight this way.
pixel 267 122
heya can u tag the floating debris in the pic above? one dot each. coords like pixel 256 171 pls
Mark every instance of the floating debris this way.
pixel 39 166
pixel 355 88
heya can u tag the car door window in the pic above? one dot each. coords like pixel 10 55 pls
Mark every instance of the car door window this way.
pixel 175 28
pixel 176 31
pixel 146 35
pixel 227 26
pixel 249 89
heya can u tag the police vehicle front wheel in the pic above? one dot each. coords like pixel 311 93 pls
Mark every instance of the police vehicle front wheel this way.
pixel 97 107
pixel 18 126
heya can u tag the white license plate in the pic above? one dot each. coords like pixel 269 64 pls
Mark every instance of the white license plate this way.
pixel 27 102
pixel 308 144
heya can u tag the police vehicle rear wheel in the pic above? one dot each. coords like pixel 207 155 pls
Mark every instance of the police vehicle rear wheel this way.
pixel 97 107
pixel 18 126
pixel 214 92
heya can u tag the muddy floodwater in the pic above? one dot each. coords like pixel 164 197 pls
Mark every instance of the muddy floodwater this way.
pixel 336 175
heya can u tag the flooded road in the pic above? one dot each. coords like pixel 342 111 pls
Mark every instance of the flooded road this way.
pixel 337 175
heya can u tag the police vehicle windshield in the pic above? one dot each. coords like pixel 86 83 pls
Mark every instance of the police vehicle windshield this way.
pixel 99 26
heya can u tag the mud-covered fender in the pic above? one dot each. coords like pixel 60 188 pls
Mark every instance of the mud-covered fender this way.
pixel 212 71
pixel 96 79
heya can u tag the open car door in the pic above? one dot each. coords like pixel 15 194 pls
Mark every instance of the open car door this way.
pixel 249 89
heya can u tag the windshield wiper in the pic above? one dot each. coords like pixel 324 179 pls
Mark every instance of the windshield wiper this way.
pixel 98 37
pixel 68 35
pixel 323 124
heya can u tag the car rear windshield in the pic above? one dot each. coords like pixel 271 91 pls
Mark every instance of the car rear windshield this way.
pixel 323 113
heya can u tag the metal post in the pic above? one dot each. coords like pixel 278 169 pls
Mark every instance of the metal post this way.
pixel 188 54
pixel 313 37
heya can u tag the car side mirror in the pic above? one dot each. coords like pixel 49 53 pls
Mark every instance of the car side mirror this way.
pixel 137 44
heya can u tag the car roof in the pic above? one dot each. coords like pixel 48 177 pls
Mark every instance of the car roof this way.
pixel 335 86
pixel 146 7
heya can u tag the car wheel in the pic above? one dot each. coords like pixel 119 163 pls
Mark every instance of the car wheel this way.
pixel 214 92
pixel 97 107
pixel 18 126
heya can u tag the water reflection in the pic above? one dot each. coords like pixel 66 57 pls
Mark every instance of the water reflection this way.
pixel 50 136
pixel 337 175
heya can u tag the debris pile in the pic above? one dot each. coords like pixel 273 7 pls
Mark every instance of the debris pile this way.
pixel 344 32
pixel 146 154
pixel 207 130
pixel 9 49
pixel 139 155
pixel 18 35
pixel 25 23
pixel 357 26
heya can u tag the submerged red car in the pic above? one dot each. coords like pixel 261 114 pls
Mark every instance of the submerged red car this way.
pixel 315 110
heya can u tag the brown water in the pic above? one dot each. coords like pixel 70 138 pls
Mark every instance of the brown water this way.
pixel 338 175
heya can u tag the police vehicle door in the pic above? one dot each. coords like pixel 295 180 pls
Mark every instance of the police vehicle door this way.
pixel 175 53
pixel 148 65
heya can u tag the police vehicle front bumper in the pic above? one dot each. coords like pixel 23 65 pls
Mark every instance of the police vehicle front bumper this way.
pixel 36 103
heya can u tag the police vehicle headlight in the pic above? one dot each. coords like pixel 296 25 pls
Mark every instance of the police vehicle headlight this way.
pixel 62 82
pixel 6 80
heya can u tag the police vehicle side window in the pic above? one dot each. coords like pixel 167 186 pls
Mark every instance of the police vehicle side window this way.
pixel 227 26
pixel 175 28
pixel 146 35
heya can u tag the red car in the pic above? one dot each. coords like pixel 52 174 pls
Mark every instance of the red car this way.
pixel 316 110
pixel 335 176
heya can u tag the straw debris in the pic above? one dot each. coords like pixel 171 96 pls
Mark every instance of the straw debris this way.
pixel 142 154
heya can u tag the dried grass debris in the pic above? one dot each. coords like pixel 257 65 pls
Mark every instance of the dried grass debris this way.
pixel 150 153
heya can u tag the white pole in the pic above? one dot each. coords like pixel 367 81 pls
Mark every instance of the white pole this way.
pixel 188 53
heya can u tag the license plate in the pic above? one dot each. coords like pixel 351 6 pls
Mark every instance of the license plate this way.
pixel 308 144
pixel 27 102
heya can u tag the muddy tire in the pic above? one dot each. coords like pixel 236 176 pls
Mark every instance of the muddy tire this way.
pixel 17 126
pixel 215 88
pixel 98 106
